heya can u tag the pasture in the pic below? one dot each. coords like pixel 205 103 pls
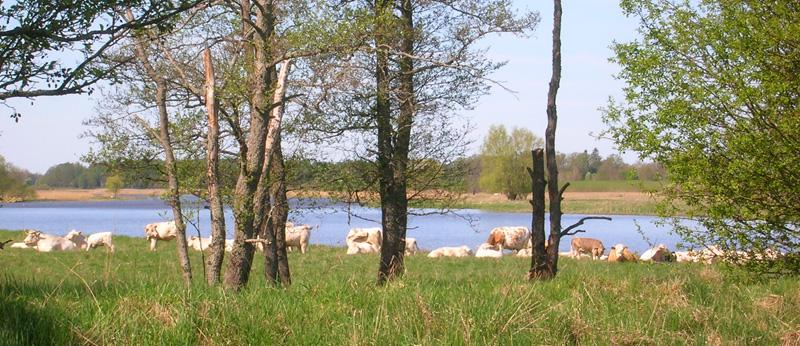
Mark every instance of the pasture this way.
pixel 137 297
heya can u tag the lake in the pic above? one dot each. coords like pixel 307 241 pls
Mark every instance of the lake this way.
pixel 331 220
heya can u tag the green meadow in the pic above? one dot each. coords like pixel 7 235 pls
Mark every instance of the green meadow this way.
pixel 137 297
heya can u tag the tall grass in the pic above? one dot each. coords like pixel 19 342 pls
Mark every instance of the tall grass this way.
pixel 137 297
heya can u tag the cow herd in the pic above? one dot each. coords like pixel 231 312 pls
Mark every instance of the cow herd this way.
pixel 369 240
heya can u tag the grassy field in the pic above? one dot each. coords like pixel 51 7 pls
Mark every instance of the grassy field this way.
pixel 136 297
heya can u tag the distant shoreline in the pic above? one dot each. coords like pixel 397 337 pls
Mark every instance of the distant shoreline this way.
pixel 576 202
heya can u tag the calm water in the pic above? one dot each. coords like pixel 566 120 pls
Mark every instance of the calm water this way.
pixel 332 222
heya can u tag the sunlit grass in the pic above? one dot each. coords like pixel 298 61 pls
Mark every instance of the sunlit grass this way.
pixel 137 297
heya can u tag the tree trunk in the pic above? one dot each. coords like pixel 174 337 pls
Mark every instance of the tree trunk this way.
pixel 393 159
pixel 214 265
pixel 173 192
pixel 540 266
pixel 280 212
pixel 550 144
pixel 252 155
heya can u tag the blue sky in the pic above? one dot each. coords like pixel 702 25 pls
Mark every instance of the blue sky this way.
pixel 49 131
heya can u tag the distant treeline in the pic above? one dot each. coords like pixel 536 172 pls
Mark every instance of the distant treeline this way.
pixel 308 174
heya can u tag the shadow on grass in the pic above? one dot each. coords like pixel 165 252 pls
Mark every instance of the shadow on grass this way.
pixel 22 322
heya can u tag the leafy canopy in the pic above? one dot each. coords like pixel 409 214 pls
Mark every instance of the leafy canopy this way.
pixel 504 157
pixel 712 94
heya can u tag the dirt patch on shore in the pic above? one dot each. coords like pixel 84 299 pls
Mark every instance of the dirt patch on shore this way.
pixel 95 194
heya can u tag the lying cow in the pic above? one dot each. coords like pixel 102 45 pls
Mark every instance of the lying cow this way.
pixel 160 231
pixel 76 237
pixel 364 240
pixel 34 239
pixel 297 236
pixel 590 246
pixel 20 245
pixel 198 243
pixel 461 251
pixel 361 247
pixel 513 238
pixel 660 253
pixel 620 253
pixel 488 250
pixel 411 247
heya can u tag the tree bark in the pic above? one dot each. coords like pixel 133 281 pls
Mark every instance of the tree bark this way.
pixel 173 192
pixel 279 214
pixel 393 157
pixel 540 266
pixel 252 155
pixel 550 144
pixel 214 265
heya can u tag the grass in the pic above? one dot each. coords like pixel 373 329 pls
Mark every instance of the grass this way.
pixel 137 297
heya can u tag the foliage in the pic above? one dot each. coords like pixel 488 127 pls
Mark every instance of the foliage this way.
pixel 133 297
pixel 114 183
pixel 504 157
pixel 13 182
pixel 713 95
pixel 52 47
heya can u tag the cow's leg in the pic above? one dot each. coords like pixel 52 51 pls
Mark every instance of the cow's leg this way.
pixel 303 247
pixel 153 244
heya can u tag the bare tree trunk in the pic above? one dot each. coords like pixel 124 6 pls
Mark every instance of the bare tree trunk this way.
pixel 280 212
pixel 214 264
pixel 553 192
pixel 540 268
pixel 252 155
pixel 393 157
pixel 173 192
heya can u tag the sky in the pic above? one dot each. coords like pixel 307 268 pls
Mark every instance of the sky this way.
pixel 50 130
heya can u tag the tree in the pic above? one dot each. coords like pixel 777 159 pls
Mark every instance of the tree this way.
pixel 544 259
pixel 503 158
pixel 113 184
pixel 36 34
pixel 712 94
pixel 12 182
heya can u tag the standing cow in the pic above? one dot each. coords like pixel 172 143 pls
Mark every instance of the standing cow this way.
pixel 297 236
pixel 160 231
pixel 589 246
pixel 512 238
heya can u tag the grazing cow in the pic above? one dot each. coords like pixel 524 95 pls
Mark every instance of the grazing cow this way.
pixel 590 246
pixel 490 251
pixel 411 246
pixel 34 239
pixel 160 231
pixel 512 238
pixel 99 239
pixel 361 247
pixel 199 244
pixel 461 251
pixel 620 253
pixel 362 235
pixel 297 236
pixel 659 253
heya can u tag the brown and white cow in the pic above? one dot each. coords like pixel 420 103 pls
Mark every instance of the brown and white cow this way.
pixel 512 238
pixel 160 231
pixel 620 253
pixel 589 246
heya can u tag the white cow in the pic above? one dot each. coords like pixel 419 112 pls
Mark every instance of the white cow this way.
pixel 361 247
pixel 76 237
pixel 160 231
pixel 460 251
pixel 513 238
pixel 199 244
pixel 411 246
pixel 490 251
pixel 526 252
pixel 660 253
pixel 99 239
pixel 229 245
pixel 297 236
pixel 19 245
pixel 34 239
pixel 361 235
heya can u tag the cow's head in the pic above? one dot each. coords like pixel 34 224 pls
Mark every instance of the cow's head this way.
pixel 618 249
pixel 74 235
pixel 32 238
